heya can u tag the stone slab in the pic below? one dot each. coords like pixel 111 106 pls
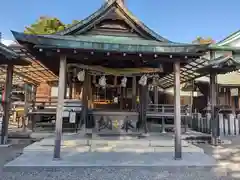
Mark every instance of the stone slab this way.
pixel 100 159
pixel 40 135
pixel 109 148
pixel 31 148
pixel 73 140
pixel 5 145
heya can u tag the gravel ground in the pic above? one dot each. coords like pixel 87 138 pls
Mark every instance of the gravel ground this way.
pixel 97 173
pixel 113 173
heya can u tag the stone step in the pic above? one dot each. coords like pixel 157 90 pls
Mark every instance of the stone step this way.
pixel 82 149
pixel 135 142
pixel 111 159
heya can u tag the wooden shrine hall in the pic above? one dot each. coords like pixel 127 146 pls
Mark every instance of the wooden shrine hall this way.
pixel 17 69
pixel 112 55
pixel 8 59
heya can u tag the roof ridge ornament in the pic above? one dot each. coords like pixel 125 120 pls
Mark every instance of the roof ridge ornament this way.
pixel 119 1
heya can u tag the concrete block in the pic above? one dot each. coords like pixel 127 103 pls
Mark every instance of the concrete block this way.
pixel 101 149
pixel 134 149
pixel 5 145
pixel 166 143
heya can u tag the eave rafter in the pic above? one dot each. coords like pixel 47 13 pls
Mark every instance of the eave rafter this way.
pixel 34 73
pixel 187 73
pixel 202 67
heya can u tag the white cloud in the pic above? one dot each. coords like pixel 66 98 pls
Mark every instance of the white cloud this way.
pixel 7 42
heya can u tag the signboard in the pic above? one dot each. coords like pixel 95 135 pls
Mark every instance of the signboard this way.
pixel 234 92
pixel 72 117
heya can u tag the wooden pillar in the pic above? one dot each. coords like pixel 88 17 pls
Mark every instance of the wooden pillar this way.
pixel 90 92
pixel 7 103
pixel 155 94
pixel 213 102
pixel 26 105
pixel 66 84
pixel 85 97
pixel 124 94
pixel 143 107
pixel 156 98
pixel 134 91
pixel 192 96
pixel 59 117
pixel 73 90
pixel 33 99
pixel 238 99
pixel 70 92
pixel 177 111
pixel 121 97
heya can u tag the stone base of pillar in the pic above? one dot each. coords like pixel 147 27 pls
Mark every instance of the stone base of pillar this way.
pixel 5 141
pixel 88 131
pixel 5 145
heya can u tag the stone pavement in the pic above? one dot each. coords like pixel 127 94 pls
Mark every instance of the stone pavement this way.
pixel 76 159
pixel 227 156
pixel 78 142
pixel 79 151
pixel 121 173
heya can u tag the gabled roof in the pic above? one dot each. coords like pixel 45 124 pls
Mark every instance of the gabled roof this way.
pixel 221 65
pixel 7 52
pixel 7 55
pixel 230 38
pixel 97 16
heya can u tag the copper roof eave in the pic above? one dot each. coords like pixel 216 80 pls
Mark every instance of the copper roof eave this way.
pixel 189 54
pixel 104 44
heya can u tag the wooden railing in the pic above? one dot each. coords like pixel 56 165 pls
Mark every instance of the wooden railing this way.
pixel 167 109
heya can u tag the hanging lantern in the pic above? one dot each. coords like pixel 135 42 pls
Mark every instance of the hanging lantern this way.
pixel 155 80
pixel 143 80
pixel 94 79
pixel 150 87
pixel 115 81
pixel 102 82
pixel 81 76
pixel 124 82
pixel 160 89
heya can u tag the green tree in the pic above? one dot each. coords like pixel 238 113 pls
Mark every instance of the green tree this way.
pixel 201 40
pixel 73 23
pixel 47 25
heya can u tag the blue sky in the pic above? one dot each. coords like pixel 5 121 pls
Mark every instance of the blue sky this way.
pixel 177 20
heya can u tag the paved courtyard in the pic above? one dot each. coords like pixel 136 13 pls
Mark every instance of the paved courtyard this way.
pixel 227 154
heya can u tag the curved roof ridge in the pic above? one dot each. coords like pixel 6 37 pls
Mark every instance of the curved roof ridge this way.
pixel 103 9
pixel 142 25
pixel 229 37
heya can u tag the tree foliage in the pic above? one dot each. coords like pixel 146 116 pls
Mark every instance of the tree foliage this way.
pixel 47 25
pixel 73 23
pixel 201 40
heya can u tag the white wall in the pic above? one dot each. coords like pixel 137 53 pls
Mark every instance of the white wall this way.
pixel 235 43
pixel 54 91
